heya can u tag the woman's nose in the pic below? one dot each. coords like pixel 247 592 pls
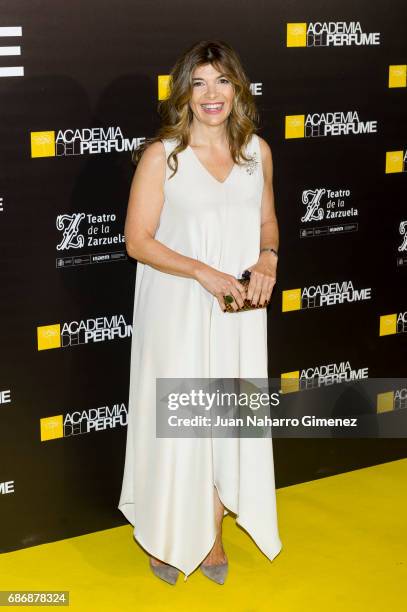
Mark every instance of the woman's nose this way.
pixel 212 91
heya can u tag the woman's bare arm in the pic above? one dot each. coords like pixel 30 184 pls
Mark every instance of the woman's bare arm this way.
pixel 269 224
pixel 264 272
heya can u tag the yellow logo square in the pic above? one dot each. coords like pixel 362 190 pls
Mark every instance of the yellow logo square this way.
pixel 43 144
pixel 385 401
pixel 291 300
pixel 388 324
pixel 296 34
pixel 49 336
pixel 294 126
pixel 52 427
pixel 163 86
pixel 290 381
pixel 394 161
pixel 398 76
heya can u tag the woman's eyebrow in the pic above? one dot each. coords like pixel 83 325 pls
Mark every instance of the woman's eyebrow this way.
pixel 202 79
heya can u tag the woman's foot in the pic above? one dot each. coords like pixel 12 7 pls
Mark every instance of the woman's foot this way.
pixel 217 554
pixel 164 570
pixel 215 564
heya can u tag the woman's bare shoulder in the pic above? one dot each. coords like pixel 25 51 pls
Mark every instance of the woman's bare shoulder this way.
pixel 155 152
pixel 153 159
pixel 266 157
pixel 264 147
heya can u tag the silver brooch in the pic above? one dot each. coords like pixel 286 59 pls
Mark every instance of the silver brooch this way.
pixel 251 165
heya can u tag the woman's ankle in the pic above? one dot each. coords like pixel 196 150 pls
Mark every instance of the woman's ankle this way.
pixel 217 553
pixel 155 561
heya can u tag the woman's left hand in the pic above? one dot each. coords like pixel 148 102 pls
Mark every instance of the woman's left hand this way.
pixel 262 279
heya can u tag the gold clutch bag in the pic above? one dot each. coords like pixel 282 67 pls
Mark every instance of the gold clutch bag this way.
pixel 244 280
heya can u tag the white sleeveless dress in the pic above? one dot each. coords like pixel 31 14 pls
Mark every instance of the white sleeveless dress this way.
pixel 180 331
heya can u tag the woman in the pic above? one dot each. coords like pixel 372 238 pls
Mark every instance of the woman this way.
pixel 200 212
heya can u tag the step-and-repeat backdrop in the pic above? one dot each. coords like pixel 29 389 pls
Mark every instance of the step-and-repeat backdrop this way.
pixel 79 86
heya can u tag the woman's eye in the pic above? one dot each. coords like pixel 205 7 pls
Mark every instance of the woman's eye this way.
pixel 222 79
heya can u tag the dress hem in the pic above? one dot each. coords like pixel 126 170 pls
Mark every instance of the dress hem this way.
pixel 187 572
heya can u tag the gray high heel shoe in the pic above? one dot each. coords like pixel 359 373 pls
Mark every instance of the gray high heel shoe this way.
pixel 165 572
pixel 217 573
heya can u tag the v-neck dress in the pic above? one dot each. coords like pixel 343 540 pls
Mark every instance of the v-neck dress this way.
pixel 180 331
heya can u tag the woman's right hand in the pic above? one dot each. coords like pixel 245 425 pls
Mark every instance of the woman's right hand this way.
pixel 220 284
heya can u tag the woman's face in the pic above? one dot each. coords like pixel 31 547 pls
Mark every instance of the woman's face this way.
pixel 212 95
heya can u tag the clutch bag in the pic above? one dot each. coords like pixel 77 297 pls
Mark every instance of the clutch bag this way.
pixel 244 280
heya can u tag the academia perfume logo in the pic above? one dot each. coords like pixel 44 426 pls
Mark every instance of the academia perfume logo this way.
pixel 396 399
pixel 396 161
pixel 331 206
pixel 86 331
pixel 394 323
pixel 315 125
pixel 330 34
pixel 92 141
pixel 83 422
pixel 398 75
pixel 321 375
pixel 327 294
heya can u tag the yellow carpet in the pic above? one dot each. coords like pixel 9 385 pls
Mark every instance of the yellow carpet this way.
pixel 344 548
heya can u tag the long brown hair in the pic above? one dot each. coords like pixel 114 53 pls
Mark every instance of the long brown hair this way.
pixel 176 114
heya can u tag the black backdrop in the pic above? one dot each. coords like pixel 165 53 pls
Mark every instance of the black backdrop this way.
pixel 95 65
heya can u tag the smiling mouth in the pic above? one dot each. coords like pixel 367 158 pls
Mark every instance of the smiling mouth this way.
pixel 213 107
